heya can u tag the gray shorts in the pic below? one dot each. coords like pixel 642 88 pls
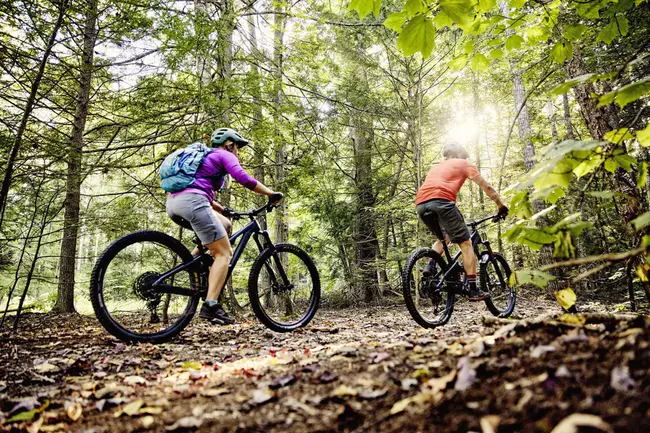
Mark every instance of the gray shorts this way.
pixel 196 209
pixel 443 213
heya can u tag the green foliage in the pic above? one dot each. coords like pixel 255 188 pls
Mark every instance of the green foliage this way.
pixel 479 63
pixel 561 51
pixel 643 136
pixel 514 42
pixel 538 278
pixel 627 94
pixel 364 7
pixel 618 26
pixel 459 11
pixel 417 36
pixel 642 221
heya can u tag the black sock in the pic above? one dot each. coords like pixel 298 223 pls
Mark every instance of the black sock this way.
pixel 471 280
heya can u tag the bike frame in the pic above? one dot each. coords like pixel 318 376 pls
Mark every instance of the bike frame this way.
pixel 204 260
pixel 476 240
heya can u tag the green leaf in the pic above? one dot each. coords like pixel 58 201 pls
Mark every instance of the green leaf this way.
pixel 617 26
pixel 551 194
pixel 569 84
pixel 364 7
pixel 414 7
pixel 442 20
pixel 516 4
pixel 395 21
pixel 468 47
pixel 625 161
pixel 538 278
pixel 561 51
pixel 479 63
pixel 573 32
pixel 535 238
pixel 589 9
pixel 641 221
pixel 643 175
pixel 610 165
pixel 194 365
pixel 417 36
pixel 627 94
pixel 520 205
pixel 496 54
pixel 537 34
pixel 547 180
pixel 618 135
pixel 563 246
pixel 588 165
pixel 643 136
pixel 486 5
pixel 514 42
pixel 458 63
pixel 460 11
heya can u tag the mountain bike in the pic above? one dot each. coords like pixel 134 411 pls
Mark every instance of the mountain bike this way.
pixel 431 298
pixel 146 286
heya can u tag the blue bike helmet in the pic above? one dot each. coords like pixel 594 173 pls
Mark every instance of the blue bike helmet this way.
pixel 220 136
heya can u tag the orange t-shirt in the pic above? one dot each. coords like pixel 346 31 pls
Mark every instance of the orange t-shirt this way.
pixel 445 179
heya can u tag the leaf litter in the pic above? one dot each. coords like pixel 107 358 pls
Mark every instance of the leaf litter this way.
pixel 371 374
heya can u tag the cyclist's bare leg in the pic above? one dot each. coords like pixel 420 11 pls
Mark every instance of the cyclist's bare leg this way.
pixel 469 258
pixel 222 253
pixel 437 245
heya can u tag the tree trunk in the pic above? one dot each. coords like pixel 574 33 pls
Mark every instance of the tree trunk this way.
pixel 567 117
pixel 29 106
pixel 551 119
pixel 365 235
pixel 65 293
pixel 599 121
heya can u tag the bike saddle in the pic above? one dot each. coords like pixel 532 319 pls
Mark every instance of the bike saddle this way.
pixel 182 222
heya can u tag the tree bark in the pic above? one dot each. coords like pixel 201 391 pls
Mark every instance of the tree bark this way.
pixel 29 106
pixel 65 293
pixel 567 118
pixel 365 235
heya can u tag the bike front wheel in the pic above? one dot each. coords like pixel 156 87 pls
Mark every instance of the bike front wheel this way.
pixel 494 278
pixel 122 292
pixel 284 288
pixel 429 305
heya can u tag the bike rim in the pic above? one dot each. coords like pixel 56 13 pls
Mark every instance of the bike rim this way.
pixel 286 305
pixel 432 304
pixel 496 284
pixel 128 297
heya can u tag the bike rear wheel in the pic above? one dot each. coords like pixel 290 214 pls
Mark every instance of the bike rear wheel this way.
pixel 494 279
pixel 429 306
pixel 279 306
pixel 121 290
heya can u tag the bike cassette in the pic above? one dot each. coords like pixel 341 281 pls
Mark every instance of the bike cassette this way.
pixel 142 287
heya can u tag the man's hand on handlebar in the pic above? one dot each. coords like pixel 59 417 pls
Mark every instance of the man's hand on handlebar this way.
pixel 502 214
pixel 228 212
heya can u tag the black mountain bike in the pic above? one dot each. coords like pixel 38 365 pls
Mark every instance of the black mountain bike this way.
pixel 146 286
pixel 431 298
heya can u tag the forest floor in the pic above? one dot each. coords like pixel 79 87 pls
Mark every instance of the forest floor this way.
pixel 368 370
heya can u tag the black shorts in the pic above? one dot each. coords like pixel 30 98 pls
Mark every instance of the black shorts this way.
pixel 440 213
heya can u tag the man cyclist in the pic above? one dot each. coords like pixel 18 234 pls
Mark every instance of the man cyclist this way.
pixel 196 205
pixel 436 206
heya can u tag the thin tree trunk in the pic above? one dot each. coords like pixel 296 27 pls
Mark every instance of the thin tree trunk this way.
pixel 551 119
pixel 65 292
pixel 29 106
pixel 567 117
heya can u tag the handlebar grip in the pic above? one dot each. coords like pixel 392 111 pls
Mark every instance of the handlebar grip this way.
pixel 275 198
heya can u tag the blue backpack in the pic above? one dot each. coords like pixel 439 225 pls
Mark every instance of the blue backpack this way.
pixel 178 170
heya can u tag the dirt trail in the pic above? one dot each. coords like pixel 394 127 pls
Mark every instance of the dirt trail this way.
pixel 351 370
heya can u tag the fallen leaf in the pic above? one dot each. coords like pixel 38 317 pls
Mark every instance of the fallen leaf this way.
pixel 147 421
pixel 327 377
pixel 369 394
pixel 73 410
pixel 261 396
pixel 343 391
pixel 439 384
pixel 572 319
pixel 475 349
pixel 151 410
pixel 408 383
pixel 466 375
pixel 135 380
pixel 131 408
pixel 562 371
pixel 525 399
pixel 621 380
pixel 283 380
pixel 47 368
pixel 540 350
pixel 185 423
pixel 294 404
pixel 566 298
pixel 213 392
pixel 58 427
pixel 571 423
pixel 377 357
pixel 490 423
pixel 194 365
pixel 35 426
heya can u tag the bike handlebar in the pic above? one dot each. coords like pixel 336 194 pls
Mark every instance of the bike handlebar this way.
pixel 268 207
pixel 496 217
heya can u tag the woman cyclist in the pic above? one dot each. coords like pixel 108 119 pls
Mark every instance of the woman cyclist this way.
pixel 196 205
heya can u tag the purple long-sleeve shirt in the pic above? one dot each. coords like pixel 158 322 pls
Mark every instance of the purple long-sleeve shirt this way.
pixel 211 175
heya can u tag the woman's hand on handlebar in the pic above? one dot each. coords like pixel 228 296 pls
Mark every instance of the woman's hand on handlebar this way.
pixel 275 198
